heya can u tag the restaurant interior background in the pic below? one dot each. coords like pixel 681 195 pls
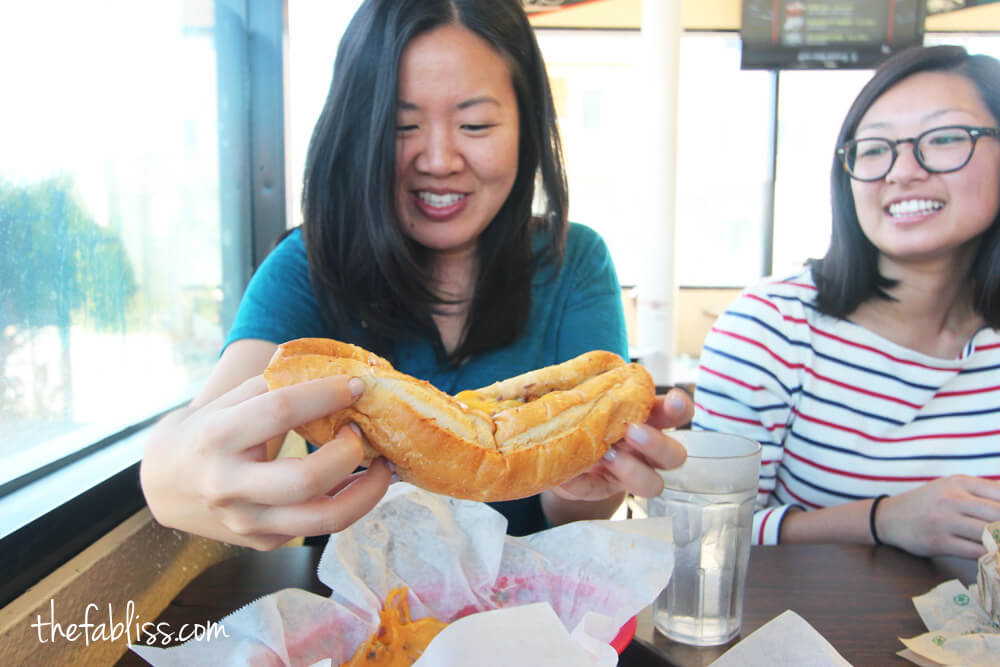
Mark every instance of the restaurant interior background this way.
pixel 149 158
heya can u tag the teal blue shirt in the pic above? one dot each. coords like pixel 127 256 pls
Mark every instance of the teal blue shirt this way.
pixel 574 309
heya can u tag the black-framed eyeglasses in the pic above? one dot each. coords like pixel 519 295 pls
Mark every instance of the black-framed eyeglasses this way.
pixel 939 150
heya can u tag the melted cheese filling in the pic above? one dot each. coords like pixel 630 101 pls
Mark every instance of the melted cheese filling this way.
pixel 474 401
pixel 398 642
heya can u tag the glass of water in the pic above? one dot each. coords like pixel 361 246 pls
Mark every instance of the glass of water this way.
pixel 710 501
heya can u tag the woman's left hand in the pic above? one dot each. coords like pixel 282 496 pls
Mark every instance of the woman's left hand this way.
pixel 631 464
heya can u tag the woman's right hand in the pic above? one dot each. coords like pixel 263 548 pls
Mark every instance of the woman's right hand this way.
pixel 944 517
pixel 206 469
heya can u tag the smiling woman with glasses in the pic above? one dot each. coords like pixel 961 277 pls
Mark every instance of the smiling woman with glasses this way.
pixel 872 377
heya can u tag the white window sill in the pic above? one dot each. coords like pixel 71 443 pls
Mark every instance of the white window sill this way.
pixel 23 505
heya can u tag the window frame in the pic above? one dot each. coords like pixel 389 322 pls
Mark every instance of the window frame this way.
pixel 92 489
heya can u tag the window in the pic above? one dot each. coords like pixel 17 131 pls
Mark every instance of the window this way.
pixel 133 205
pixel 985 43
pixel 807 134
pixel 314 30
pixel 595 77
pixel 110 238
pixel 725 120
pixel 733 224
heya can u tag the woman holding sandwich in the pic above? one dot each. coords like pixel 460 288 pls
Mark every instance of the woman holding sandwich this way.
pixel 419 243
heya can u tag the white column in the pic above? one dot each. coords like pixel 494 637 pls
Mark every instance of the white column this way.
pixel 657 113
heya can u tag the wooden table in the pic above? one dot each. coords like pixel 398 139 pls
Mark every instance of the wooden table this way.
pixel 858 597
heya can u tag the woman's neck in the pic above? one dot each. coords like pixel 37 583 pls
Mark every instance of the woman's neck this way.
pixel 932 312
pixel 455 282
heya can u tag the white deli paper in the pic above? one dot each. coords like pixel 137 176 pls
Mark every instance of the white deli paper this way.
pixel 787 639
pixel 562 593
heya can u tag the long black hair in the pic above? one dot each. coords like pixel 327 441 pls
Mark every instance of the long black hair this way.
pixel 848 275
pixel 362 266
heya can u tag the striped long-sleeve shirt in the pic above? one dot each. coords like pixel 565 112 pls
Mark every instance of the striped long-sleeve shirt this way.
pixel 841 413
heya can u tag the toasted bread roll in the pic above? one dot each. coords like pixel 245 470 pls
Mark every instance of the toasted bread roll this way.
pixel 509 440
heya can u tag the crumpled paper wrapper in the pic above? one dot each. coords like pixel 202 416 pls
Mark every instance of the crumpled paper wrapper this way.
pixel 963 624
pixel 988 580
pixel 554 598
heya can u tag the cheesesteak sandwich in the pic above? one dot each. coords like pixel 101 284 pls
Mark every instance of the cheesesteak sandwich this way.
pixel 512 439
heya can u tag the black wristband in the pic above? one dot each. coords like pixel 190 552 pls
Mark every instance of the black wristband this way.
pixel 871 517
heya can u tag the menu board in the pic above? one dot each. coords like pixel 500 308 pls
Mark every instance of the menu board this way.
pixel 828 34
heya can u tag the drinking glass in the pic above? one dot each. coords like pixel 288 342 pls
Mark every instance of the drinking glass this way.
pixel 710 501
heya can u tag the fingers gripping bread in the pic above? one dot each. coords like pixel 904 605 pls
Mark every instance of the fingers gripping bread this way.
pixel 509 440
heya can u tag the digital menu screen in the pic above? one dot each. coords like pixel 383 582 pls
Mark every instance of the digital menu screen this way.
pixel 828 34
